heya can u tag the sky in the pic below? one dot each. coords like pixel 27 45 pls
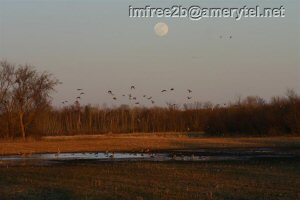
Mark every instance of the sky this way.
pixel 96 46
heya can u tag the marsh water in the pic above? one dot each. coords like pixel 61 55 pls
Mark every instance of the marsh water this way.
pixel 197 155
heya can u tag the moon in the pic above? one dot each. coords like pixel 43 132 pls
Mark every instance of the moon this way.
pixel 161 29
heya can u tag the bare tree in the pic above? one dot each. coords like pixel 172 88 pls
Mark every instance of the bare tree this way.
pixel 291 94
pixel 31 94
pixel 6 82
pixel 6 79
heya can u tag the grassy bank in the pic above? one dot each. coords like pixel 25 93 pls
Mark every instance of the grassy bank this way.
pixel 139 142
pixel 211 180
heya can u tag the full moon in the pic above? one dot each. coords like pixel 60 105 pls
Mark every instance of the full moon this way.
pixel 161 29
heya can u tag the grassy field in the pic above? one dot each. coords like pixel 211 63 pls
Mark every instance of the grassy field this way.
pixel 264 179
pixel 252 179
pixel 138 142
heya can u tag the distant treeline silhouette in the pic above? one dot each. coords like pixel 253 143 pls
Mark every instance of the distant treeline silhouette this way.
pixel 251 116
pixel 25 110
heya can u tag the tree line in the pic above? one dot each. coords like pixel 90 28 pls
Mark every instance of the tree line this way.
pixel 26 110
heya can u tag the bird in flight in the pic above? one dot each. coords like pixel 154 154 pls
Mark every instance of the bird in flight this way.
pixel 172 89
pixel 78 97
pixel 230 37
pixel 82 93
pixel 132 87
pixel 114 98
pixel 149 98
pixel 153 102
pixel 163 90
pixel 137 103
pixel 144 95
pixel 109 92
pixel 189 97
pixel 189 90
pixel 79 89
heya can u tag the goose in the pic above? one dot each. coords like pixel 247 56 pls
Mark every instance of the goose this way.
pixel 57 153
pixel 174 156
pixel 112 155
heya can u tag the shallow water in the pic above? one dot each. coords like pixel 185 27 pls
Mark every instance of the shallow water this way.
pixel 179 155
pixel 85 156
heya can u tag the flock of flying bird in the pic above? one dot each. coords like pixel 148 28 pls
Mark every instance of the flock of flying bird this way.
pixel 230 37
pixel 134 98
pixel 131 97
pixel 78 96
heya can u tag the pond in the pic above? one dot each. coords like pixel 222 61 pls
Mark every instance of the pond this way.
pixel 197 155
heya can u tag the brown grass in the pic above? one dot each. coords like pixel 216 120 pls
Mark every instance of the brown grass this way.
pixel 138 142
pixel 213 180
